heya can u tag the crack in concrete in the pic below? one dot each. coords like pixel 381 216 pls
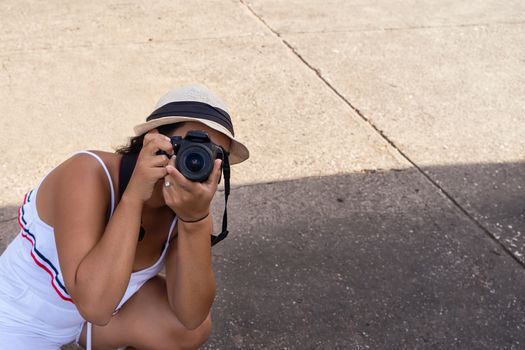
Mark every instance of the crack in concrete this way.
pixel 388 29
pixel 9 78
pixel 440 189
pixel 7 53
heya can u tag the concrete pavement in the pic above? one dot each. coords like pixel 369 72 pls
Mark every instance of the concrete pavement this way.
pixel 362 261
pixel 384 203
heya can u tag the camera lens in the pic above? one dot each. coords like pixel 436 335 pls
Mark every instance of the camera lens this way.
pixel 194 162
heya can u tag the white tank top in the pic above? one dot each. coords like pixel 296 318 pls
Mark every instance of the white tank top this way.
pixel 32 257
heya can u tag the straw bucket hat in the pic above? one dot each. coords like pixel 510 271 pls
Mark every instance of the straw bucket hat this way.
pixel 195 103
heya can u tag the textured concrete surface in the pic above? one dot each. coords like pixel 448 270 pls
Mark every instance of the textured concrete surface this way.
pixel 296 138
pixel 384 203
pixel 50 25
pixel 362 261
pixel 443 96
pixel 313 16
pixel 444 84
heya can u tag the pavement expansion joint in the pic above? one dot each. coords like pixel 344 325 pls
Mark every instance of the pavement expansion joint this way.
pixel 385 137
pixel 8 74
pixel 388 29
pixel 260 18
pixel 93 45
pixel 458 25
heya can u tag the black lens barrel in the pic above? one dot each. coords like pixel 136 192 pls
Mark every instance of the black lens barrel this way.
pixel 195 162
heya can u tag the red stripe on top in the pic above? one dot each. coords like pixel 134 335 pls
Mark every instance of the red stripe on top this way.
pixel 35 259
pixel 46 269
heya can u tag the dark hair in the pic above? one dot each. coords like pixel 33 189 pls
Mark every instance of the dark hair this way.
pixel 135 143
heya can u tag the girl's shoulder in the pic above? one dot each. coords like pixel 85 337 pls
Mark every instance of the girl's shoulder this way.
pixel 83 174
pixel 110 159
pixel 95 160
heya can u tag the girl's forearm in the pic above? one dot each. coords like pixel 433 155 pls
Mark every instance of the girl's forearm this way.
pixel 103 275
pixel 193 288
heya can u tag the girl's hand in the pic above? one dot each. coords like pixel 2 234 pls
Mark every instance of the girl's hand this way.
pixel 188 199
pixel 150 167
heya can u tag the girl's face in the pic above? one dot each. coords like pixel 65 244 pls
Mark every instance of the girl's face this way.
pixel 157 199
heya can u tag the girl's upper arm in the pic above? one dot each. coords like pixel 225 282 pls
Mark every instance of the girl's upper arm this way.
pixel 80 202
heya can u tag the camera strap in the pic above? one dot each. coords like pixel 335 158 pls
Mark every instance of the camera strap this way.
pixel 226 173
pixel 127 165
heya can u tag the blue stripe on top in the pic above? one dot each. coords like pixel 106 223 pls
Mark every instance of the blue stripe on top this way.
pixel 40 255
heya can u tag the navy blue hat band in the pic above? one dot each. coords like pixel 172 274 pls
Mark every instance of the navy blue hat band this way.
pixel 194 109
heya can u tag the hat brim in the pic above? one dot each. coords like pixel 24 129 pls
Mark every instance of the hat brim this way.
pixel 238 152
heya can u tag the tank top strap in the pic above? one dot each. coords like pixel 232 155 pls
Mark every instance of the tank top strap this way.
pixel 108 176
pixel 172 227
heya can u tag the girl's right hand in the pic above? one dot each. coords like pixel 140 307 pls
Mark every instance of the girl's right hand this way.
pixel 150 167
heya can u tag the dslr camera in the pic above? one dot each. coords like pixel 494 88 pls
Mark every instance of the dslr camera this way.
pixel 196 155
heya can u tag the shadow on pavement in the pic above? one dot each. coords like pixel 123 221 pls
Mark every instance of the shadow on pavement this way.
pixel 373 260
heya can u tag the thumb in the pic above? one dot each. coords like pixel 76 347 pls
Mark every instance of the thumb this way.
pixel 171 162
pixel 216 173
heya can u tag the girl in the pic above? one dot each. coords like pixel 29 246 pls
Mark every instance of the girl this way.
pixel 85 264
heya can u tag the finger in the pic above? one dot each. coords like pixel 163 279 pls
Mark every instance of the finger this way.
pixel 159 161
pixel 159 172
pixel 172 161
pixel 171 164
pixel 167 189
pixel 215 173
pixel 168 177
pixel 176 174
pixel 159 142
pixel 150 135
pixel 167 192
pixel 171 193
pixel 180 180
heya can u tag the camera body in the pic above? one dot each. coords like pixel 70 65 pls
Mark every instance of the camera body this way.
pixel 196 155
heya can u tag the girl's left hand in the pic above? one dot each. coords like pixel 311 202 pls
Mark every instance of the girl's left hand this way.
pixel 188 199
